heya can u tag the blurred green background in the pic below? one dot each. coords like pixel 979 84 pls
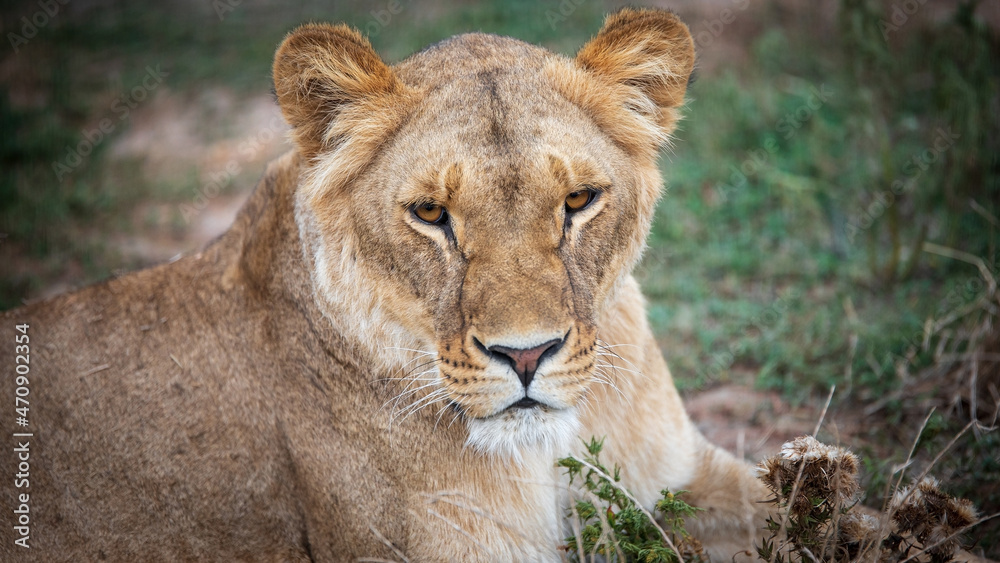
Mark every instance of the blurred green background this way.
pixel 830 215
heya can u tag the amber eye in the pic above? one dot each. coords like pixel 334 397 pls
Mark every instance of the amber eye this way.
pixel 430 213
pixel 579 199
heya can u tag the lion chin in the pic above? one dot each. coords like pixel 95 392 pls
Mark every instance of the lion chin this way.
pixel 517 434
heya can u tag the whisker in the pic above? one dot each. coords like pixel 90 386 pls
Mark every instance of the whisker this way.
pixel 423 352
pixel 610 351
pixel 606 365
pixel 424 401
pixel 414 379
pixel 415 368
pixel 458 413
pixel 407 378
pixel 406 393
pixel 427 401
pixel 605 345
pixel 418 376
pixel 610 363
pixel 421 402
pixel 602 368
pixel 610 347
pixel 601 377
pixel 422 365
pixel 441 412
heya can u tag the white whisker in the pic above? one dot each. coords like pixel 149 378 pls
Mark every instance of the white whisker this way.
pixel 612 366
pixel 601 377
pixel 427 401
pixel 422 352
pixel 607 346
pixel 458 413
pixel 422 401
pixel 611 352
pixel 407 392
pixel 441 412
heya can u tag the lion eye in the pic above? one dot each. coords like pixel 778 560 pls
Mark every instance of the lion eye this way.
pixel 580 199
pixel 430 213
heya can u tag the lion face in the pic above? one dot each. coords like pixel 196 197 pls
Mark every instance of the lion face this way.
pixel 499 237
pixel 479 203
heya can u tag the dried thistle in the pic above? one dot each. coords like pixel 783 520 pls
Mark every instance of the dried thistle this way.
pixel 930 520
pixel 859 528
pixel 816 472
pixel 859 534
pixel 816 489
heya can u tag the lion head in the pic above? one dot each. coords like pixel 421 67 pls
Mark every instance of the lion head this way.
pixel 479 203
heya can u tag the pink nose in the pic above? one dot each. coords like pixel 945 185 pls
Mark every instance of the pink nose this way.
pixel 525 362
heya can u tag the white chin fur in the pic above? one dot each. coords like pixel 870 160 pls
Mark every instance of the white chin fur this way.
pixel 520 434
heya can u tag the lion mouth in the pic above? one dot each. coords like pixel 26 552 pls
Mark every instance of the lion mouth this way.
pixel 519 409
pixel 524 403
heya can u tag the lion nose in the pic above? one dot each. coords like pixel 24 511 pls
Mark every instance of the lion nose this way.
pixel 525 361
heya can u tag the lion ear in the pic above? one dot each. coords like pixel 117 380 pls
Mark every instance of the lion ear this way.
pixel 332 86
pixel 645 56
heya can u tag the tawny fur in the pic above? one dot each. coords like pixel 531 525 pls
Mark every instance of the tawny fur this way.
pixel 260 397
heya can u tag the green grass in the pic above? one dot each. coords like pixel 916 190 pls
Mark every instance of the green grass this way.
pixel 750 266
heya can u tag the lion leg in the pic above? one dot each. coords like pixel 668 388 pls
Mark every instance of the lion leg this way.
pixel 733 515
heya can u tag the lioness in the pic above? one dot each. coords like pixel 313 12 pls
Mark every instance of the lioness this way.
pixel 419 308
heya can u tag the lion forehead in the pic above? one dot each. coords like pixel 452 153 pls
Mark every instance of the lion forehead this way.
pixel 442 63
